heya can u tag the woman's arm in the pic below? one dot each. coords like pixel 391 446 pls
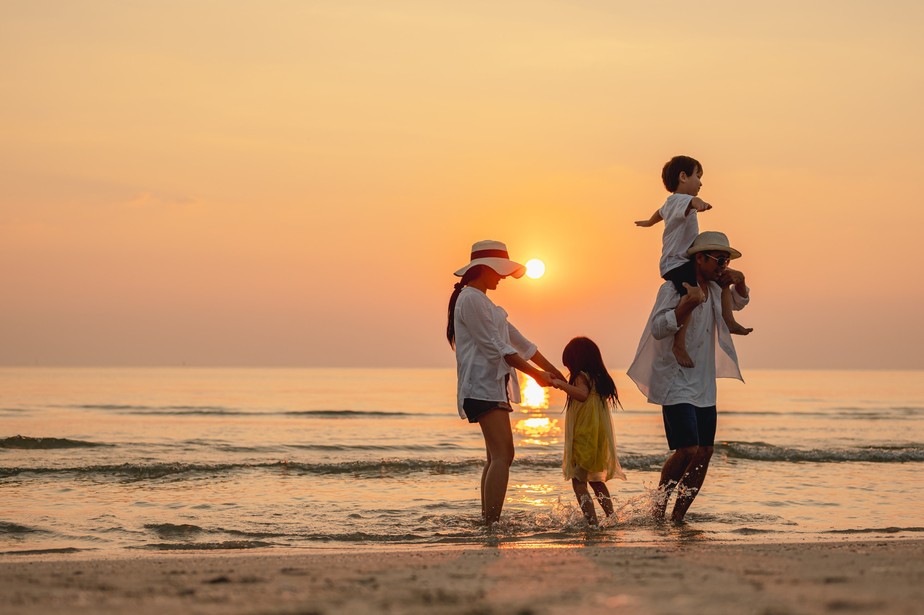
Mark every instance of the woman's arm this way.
pixel 515 360
pixel 539 359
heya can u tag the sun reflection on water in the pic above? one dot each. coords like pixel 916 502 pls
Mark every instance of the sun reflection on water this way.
pixel 533 396
pixel 539 430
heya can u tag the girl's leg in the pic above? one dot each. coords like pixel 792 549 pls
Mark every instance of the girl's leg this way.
pixel 498 440
pixel 728 314
pixel 584 500
pixel 603 496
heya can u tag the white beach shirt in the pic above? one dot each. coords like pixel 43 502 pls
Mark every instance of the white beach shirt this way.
pixel 679 231
pixel 483 339
pixel 655 369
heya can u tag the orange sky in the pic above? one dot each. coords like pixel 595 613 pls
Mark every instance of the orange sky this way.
pixel 293 183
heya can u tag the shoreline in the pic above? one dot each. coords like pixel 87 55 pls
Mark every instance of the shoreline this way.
pixel 856 576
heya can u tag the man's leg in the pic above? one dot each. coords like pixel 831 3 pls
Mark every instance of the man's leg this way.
pixel 691 482
pixel 671 474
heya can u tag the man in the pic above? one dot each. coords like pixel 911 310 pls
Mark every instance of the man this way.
pixel 687 395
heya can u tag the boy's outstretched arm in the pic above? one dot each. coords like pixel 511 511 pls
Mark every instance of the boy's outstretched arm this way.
pixel 654 219
pixel 697 204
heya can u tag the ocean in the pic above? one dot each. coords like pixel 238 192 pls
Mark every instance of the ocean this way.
pixel 193 459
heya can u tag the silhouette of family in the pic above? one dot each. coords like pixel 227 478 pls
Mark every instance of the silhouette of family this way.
pixel 686 344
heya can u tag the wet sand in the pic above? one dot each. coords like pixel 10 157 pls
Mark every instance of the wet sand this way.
pixel 884 576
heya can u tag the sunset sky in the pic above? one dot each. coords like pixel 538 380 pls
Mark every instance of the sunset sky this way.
pixel 294 182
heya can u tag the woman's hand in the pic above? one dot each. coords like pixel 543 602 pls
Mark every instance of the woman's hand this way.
pixel 558 383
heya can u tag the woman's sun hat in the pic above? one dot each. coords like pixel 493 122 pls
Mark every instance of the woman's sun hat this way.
pixel 494 255
pixel 712 241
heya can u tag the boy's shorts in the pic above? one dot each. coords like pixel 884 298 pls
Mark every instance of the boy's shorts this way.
pixel 688 425
pixel 476 408
pixel 680 274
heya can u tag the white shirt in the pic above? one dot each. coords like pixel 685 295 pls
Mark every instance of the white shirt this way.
pixel 655 369
pixel 483 339
pixel 679 231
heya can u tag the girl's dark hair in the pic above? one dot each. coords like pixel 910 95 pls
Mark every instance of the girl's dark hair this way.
pixel 670 174
pixel 469 275
pixel 582 355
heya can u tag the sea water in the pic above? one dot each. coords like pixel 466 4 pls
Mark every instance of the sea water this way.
pixel 205 459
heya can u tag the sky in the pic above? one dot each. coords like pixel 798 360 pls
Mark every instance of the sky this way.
pixel 292 183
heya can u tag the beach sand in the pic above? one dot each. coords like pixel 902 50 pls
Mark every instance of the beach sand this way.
pixel 885 576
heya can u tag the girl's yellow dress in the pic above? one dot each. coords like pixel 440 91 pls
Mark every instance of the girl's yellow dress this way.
pixel 590 446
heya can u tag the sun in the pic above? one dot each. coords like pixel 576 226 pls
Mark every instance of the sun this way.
pixel 535 268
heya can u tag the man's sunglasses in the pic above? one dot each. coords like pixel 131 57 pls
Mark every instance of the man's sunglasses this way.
pixel 720 261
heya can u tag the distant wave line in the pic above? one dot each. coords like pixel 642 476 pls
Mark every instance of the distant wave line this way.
pixel 761 451
pixel 878 530
pixel 370 468
pixel 33 443
pixel 225 411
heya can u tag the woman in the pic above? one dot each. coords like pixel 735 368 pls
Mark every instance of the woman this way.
pixel 489 350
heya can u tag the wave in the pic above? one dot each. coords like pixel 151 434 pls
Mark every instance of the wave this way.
pixel 226 411
pixel 761 451
pixel 392 467
pixel 27 442
pixel 878 530
pixel 173 530
pixel 14 528
pixel 207 546
pixel 380 468
pixel 43 551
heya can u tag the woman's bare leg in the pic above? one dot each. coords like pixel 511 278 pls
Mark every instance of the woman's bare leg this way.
pixel 498 440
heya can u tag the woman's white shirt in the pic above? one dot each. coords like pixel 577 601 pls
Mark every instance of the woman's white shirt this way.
pixel 483 338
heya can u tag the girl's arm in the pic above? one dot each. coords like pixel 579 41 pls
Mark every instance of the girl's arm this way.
pixel 580 390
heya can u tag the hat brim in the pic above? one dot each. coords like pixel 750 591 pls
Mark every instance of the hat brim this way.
pixel 502 266
pixel 714 247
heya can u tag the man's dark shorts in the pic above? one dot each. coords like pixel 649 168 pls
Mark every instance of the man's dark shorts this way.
pixel 688 425
pixel 476 408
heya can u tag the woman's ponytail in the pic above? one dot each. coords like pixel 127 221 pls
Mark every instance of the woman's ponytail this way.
pixel 470 275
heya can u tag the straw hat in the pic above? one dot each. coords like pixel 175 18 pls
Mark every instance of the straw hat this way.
pixel 709 241
pixel 494 255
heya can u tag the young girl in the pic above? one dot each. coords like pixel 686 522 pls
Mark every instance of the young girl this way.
pixel 590 447
pixel 489 350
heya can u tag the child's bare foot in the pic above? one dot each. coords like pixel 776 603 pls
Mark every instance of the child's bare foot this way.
pixel 737 329
pixel 680 353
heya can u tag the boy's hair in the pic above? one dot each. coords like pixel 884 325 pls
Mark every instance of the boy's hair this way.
pixel 670 174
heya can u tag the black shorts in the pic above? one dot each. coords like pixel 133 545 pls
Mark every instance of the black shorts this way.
pixel 688 425
pixel 680 274
pixel 476 408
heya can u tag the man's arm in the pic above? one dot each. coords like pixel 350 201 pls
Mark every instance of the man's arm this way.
pixel 671 309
